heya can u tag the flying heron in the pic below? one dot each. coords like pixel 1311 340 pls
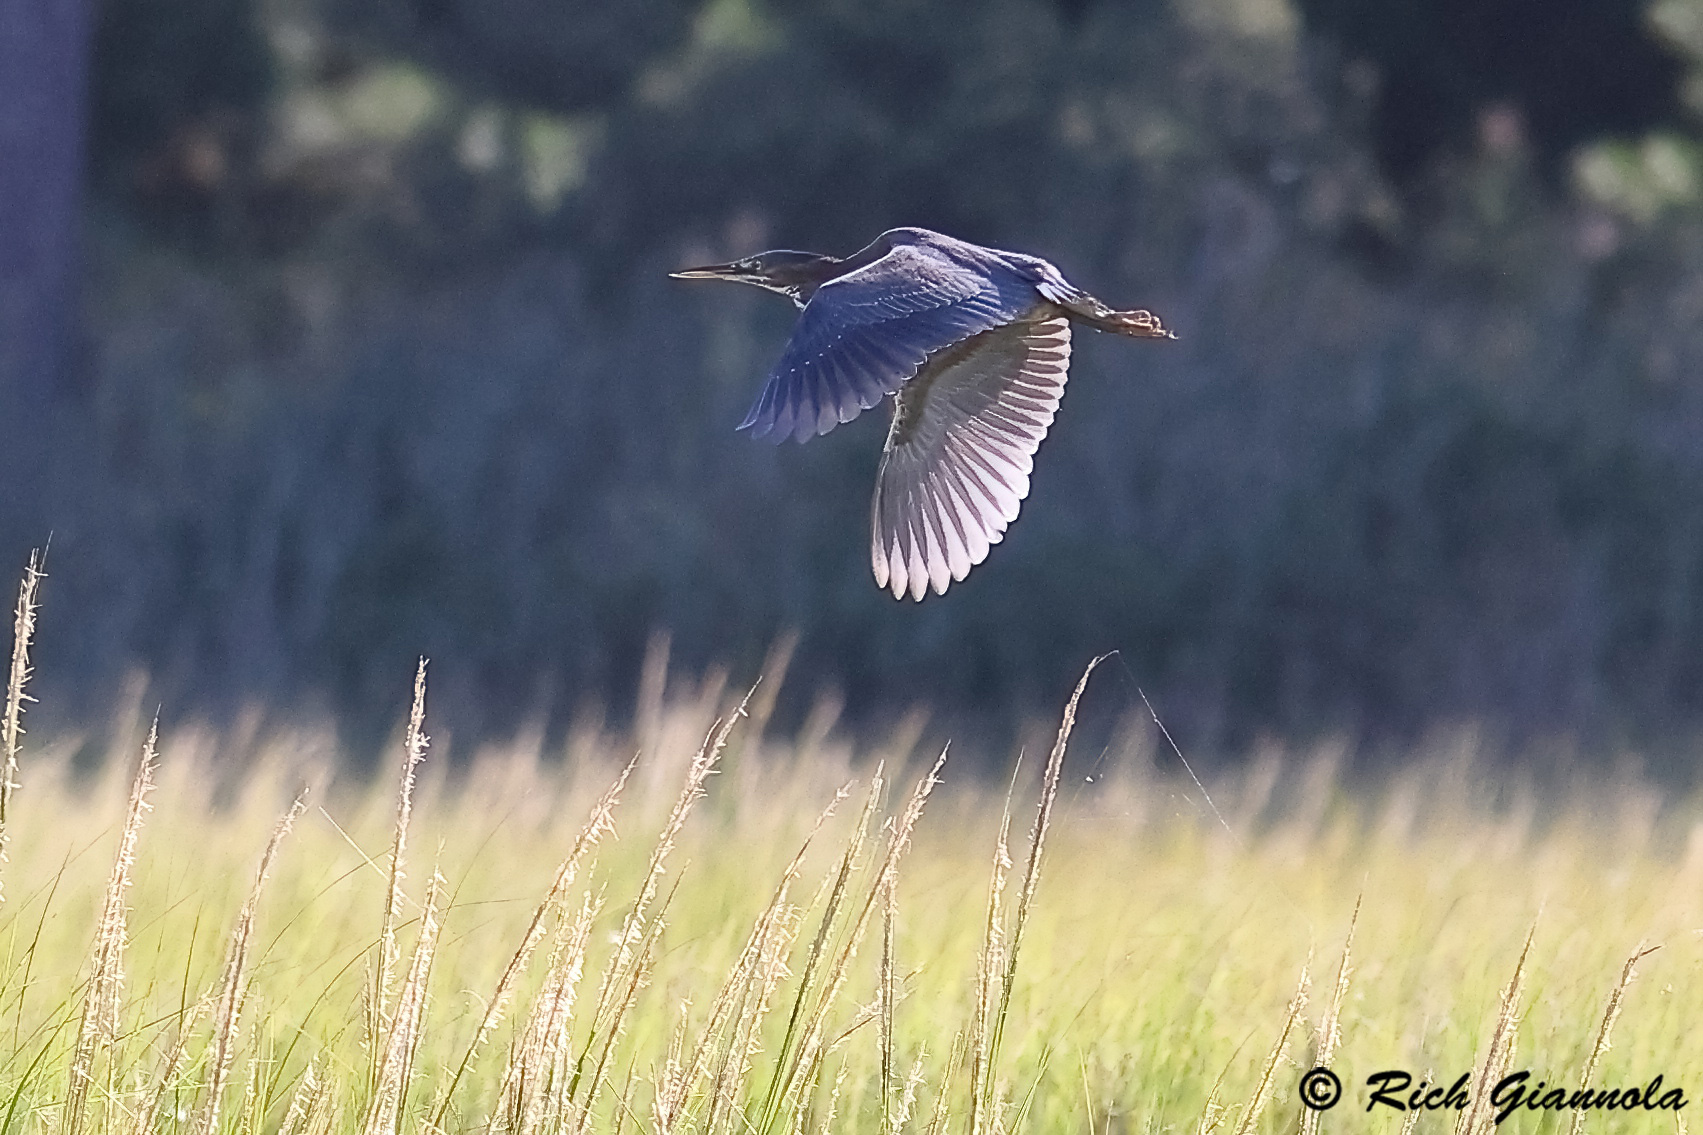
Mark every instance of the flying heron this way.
pixel 973 345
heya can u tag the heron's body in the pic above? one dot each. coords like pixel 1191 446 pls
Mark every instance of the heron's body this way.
pixel 973 346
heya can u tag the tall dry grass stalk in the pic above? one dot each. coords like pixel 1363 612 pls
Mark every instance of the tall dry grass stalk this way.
pixel 1212 1113
pixel 937 1115
pixel 97 1027
pixel 827 1123
pixel 673 1082
pixel 914 1081
pixel 1610 1014
pixel 11 727
pixel 1479 1115
pixel 638 975
pixel 378 1011
pixel 990 968
pixel 1329 1033
pixel 249 1118
pixel 886 994
pixel 1268 1077
pixel 171 1069
pixel 997 969
pixel 721 1060
pixel 308 1086
pixel 313 1105
pixel 812 1046
pixel 623 976
pixel 747 995
pixel 624 1104
pixel 532 1096
pixel 786 1067
pixel 730 1038
pixel 1411 1119
pixel 396 1066
pixel 233 980
pixel 599 824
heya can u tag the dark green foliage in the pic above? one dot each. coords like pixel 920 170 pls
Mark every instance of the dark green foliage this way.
pixel 563 54
pixel 1574 70
pixel 1400 470
pixel 169 75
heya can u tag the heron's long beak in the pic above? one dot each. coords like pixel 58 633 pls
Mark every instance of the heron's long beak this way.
pixel 710 272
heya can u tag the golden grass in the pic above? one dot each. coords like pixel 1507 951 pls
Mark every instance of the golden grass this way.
pixel 1610 1014
pixel 1478 1116
pixel 231 992
pixel 1329 1032
pixel 379 1022
pixel 769 961
pixel 11 725
pixel 97 1026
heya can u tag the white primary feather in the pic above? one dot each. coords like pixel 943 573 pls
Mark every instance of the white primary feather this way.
pixel 958 457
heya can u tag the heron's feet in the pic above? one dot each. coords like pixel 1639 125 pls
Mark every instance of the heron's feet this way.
pixel 1139 324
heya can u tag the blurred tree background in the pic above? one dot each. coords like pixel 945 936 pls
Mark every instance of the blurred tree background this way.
pixel 377 356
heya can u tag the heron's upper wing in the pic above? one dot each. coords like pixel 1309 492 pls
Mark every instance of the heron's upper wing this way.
pixel 865 334
pixel 956 467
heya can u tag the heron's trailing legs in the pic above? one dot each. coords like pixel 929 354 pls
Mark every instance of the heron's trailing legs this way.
pixel 1138 324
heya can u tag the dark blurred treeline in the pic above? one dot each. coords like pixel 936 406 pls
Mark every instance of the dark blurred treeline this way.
pixel 378 357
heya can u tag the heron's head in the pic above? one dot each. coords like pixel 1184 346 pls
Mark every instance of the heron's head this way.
pixel 794 274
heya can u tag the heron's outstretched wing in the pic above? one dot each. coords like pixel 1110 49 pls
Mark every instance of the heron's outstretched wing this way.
pixel 956 467
pixel 865 334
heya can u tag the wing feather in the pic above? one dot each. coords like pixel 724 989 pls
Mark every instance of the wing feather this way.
pixel 960 452
pixel 865 334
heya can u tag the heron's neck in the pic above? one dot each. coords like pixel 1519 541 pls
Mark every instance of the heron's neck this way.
pixel 801 281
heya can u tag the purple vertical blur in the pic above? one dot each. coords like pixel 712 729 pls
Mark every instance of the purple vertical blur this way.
pixel 43 70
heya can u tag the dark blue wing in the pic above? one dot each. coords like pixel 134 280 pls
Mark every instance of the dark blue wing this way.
pixel 864 335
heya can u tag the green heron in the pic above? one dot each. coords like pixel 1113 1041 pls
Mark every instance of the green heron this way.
pixel 973 345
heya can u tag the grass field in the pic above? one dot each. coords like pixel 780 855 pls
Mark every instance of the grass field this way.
pixel 216 933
